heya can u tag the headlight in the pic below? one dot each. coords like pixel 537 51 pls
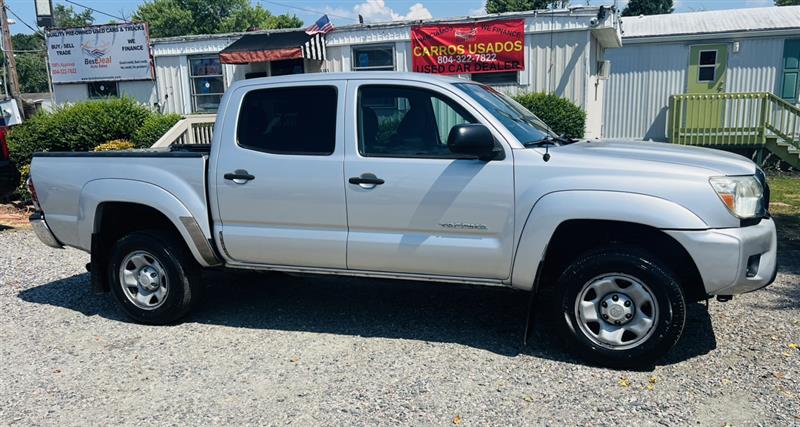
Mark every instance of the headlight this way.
pixel 743 195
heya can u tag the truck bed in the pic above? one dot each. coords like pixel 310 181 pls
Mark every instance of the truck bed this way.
pixel 70 185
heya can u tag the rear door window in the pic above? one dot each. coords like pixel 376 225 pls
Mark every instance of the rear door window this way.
pixel 290 121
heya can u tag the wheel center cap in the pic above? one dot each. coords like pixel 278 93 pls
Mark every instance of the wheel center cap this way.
pixel 617 308
pixel 149 278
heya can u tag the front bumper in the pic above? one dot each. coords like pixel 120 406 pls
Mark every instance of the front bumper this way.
pixel 43 231
pixel 733 260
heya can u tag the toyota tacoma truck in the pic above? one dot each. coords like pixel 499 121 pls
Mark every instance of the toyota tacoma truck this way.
pixel 408 176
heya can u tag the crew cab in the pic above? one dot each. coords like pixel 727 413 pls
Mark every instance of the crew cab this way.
pixel 409 176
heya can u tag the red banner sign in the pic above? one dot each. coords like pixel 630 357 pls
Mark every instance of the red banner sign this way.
pixel 478 47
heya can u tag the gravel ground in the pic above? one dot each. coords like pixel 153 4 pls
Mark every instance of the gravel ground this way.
pixel 277 349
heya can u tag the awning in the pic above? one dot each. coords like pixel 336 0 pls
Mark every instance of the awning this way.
pixel 274 46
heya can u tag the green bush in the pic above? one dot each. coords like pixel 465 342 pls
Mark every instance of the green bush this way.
pixel 84 126
pixel 564 117
pixel 76 127
pixel 153 128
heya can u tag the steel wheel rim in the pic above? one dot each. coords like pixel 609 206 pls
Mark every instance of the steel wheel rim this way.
pixel 143 280
pixel 604 316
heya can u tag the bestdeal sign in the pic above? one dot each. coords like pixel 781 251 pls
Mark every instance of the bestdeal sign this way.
pixel 102 52
pixel 477 47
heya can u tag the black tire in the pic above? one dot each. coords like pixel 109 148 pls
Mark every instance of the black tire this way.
pixel 664 291
pixel 181 272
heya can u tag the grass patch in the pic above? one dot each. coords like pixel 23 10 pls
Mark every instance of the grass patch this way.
pixel 785 206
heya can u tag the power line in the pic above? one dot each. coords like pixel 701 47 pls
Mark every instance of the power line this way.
pixel 35 30
pixel 305 9
pixel 97 11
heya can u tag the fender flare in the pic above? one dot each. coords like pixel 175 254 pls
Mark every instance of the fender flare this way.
pixel 552 209
pixel 101 191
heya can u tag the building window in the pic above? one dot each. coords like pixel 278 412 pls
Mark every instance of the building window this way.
pixel 205 76
pixel 103 90
pixel 501 78
pixel 707 66
pixel 373 58
pixel 286 67
pixel 290 121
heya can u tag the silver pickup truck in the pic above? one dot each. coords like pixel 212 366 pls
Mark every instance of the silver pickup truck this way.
pixel 408 176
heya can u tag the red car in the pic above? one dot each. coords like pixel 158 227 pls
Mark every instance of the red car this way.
pixel 9 176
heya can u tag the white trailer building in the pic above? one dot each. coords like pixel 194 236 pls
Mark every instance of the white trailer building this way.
pixel 563 53
pixel 715 52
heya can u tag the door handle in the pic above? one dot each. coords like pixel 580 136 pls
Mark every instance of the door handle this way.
pixel 373 181
pixel 366 180
pixel 239 176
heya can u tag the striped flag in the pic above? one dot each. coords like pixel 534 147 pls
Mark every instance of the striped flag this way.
pixel 323 25
pixel 314 48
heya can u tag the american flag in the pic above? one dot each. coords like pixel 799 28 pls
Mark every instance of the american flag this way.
pixel 323 25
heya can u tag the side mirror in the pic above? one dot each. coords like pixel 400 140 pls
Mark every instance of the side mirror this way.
pixel 472 139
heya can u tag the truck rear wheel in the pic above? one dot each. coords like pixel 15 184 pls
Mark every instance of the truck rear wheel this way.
pixel 153 278
pixel 620 307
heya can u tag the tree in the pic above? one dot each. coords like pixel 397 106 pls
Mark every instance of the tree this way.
pixel 169 18
pixel 787 2
pixel 31 62
pixel 647 7
pixel 27 42
pixel 500 6
pixel 32 72
pixel 66 17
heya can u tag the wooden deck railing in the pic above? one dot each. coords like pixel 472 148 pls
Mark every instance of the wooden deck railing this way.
pixel 732 119
pixel 192 129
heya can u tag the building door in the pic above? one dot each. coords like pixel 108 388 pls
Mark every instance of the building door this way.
pixel 708 66
pixel 790 84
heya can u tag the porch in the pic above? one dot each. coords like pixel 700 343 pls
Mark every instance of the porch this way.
pixel 759 120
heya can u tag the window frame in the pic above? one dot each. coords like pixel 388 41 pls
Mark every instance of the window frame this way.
pixel 446 98
pixel 112 82
pixel 288 153
pixel 353 58
pixel 713 66
pixel 193 95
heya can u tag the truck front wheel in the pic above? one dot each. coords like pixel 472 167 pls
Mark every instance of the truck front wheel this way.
pixel 153 278
pixel 621 307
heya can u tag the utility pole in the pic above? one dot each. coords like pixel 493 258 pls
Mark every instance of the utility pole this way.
pixel 11 62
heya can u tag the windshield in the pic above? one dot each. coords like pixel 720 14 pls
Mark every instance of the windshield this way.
pixel 525 126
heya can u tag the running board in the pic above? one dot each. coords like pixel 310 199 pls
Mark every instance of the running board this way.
pixel 370 274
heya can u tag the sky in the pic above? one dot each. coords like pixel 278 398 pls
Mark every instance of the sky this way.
pixel 344 12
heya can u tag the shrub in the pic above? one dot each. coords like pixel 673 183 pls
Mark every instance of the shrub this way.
pixel 153 128
pixel 115 145
pixel 76 127
pixel 564 117
pixel 22 189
